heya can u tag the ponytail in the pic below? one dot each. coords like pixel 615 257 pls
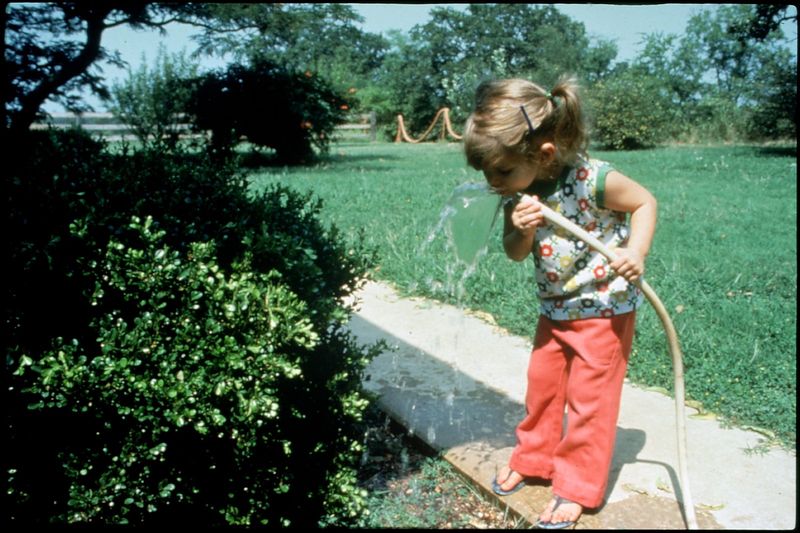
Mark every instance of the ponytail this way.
pixel 569 131
pixel 517 116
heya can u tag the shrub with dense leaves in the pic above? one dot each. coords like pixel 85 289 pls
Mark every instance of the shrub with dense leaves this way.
pixel 271 107
pixel 176 350
pixel 631 111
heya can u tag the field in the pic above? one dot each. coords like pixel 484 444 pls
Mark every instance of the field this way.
pixel 724 259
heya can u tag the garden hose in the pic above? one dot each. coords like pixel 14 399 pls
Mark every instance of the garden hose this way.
pixel 674 348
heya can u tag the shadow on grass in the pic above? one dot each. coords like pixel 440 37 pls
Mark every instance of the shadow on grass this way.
pixel 255 158
pixel 778 151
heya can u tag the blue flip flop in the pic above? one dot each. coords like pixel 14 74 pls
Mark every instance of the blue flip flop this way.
pixel 556 525
pixel 500 492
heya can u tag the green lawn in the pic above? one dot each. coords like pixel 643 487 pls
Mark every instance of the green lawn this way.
pixel 724 260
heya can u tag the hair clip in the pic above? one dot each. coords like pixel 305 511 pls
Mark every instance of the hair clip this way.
pixel 550 97
pixel 527 119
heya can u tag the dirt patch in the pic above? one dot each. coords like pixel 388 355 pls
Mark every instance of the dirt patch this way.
pixel 410 486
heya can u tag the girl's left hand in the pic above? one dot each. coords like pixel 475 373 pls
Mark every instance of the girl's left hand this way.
pixel 629 263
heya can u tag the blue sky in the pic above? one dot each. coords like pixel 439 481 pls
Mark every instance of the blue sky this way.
pixel 624 24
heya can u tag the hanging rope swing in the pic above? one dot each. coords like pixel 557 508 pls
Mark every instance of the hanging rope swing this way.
pixel 447 129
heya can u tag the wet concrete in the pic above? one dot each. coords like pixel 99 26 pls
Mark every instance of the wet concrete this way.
pixel 458 383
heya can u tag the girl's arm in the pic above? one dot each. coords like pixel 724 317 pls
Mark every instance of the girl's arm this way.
pixel 625 195
pixel 519 228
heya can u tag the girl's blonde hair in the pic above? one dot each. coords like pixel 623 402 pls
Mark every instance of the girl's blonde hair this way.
pixel 498 128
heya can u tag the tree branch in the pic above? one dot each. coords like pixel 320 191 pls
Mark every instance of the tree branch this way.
pixel 32 102
pixel 215 28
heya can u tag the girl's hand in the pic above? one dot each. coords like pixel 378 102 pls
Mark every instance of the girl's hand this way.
pixel 527 216
pixel 629 263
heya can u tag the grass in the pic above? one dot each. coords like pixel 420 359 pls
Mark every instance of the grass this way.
pixel 724 259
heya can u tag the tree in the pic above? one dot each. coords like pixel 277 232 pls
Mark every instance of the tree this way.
pixel 766 19
pixel 773 87
pixel 45 58
pixel 321 38
pixel 598 59
pixel 773 92
pixel 725 78
pixel 271 106
pixel 729 60
pixel 675 62
pixel 456 50
pixel 532 39
pixel 152 101
pixel 404 83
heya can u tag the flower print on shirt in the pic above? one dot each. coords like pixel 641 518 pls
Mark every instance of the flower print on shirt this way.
pixel 600 272
pixel 575 281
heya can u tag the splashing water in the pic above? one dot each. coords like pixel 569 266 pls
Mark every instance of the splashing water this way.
pixel 465 225
pixel 467 221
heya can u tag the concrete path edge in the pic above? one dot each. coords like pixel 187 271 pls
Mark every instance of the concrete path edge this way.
pixel 457 382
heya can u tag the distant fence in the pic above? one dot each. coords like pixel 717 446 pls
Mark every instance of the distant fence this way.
pixel 109 126
pixel 106 125
pixel 364 125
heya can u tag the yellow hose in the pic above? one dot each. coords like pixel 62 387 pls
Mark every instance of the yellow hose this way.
pixel 674 348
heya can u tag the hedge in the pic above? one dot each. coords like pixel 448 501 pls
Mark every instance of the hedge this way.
pixel 176 349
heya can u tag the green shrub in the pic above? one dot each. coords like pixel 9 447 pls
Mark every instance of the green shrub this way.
pixel 630 111
pixel 715 118
pixel 151 101
pixel 176 350
pixel 272 107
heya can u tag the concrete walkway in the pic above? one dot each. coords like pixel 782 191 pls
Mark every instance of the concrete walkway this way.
pixel 458 383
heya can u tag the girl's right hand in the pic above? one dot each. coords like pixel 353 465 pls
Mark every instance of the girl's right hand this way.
pixel 527 215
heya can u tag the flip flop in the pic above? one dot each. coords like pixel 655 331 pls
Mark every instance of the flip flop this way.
pixel 500 492
pixel 556 525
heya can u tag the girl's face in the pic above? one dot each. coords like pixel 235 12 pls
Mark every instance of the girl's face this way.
pixel 515 173
pixel 510 175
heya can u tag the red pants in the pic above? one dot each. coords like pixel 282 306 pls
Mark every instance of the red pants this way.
pixel 580 363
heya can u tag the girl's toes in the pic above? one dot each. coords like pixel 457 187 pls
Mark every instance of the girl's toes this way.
pixel 547 514
pixel 560 511
pixel 567 512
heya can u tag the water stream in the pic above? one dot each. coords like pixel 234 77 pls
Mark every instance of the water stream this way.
pixel 466 222
pixel 462 232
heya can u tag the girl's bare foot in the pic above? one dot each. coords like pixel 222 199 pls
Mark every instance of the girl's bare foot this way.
pixel 560 512
pixel 509 479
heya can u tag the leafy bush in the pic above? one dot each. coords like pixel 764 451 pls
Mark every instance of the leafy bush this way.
pixel 270 106
pixel 630 111
pixel 774 93
pixel 182 342
pixel 151 102
pixel 714 118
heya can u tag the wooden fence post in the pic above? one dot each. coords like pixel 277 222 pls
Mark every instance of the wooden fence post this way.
pixel 373 126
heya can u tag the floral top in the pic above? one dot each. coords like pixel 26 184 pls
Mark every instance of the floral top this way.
pixel 575 281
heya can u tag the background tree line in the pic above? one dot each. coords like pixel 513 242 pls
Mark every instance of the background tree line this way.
pixel 730 76
pixel 721 80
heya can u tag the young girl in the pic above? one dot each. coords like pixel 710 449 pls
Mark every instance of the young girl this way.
pixel 531 145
